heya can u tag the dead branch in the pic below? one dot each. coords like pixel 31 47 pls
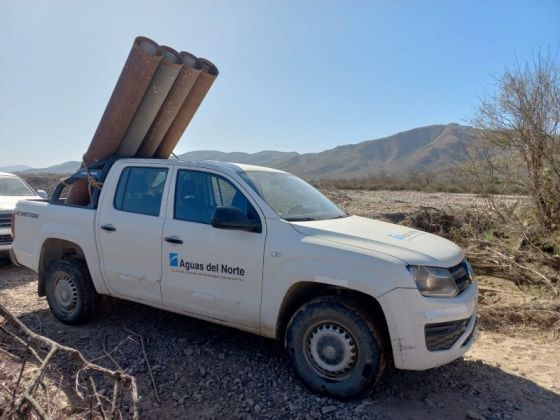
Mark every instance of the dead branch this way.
pixel 147 361
pixel 96 395
pixel 22 342
pixel 32 342
pixel 16 389
pixel 535 272
pixel 108 354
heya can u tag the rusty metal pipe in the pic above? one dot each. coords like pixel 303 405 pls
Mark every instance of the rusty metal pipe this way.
pixel 139 69
pixel 171 106
pixel 188 109
pixel 152 101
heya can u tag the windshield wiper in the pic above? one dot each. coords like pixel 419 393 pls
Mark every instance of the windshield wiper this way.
pixel 299 219
pixel 342 216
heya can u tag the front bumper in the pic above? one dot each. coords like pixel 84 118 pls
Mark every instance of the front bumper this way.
pixel 13 258
pixel 408 312
pixel 5 248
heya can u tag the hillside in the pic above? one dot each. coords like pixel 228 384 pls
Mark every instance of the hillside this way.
pixel 62 168
pixel 14 168
pixel 433 147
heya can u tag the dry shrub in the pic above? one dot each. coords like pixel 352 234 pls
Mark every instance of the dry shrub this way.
pixel 519 137
pixel 458 226
pixel 46 182
pixel 539 318
pixel 493 245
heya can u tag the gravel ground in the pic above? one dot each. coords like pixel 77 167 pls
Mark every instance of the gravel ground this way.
pixel 207 371
pixel 396 205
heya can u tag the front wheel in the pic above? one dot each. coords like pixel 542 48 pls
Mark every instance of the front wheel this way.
pixel 335 347
pixel 70 292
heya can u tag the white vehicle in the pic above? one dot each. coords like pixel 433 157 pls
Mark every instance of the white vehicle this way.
pixel 12 189
pixel 260 250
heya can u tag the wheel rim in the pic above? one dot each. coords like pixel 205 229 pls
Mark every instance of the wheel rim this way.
pixel 65 292
pixel 331 350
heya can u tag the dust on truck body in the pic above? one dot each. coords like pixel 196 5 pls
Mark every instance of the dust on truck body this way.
pixel 259 250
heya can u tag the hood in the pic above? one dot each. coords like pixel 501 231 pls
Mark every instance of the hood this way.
pixel 410 245
pixel 9 203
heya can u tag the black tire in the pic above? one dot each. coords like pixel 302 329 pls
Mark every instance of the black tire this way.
pixel 334 327
pixel 4 259
pixel 70 292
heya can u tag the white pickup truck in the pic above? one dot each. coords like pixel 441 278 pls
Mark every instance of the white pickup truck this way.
pixel 260 250
pixel 12 189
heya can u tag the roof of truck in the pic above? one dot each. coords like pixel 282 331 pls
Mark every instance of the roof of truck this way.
pixel 237 166
pixel 229 167
pixel 7 174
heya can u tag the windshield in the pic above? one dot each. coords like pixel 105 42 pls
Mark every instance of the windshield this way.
pixel 290 197
pixel 14 187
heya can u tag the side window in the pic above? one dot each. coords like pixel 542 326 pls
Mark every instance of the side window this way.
pixel 140 190
pixel 197 195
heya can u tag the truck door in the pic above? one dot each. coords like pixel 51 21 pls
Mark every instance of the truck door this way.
pixel 212 272
pixel 129 227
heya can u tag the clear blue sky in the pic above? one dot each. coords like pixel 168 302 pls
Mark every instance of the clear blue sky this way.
pixel 294 75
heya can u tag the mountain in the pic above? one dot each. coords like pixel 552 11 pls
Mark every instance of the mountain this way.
pixel 14 168
pixel 435 147
pixel 61 168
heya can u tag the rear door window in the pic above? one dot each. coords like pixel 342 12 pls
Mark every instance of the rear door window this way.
pixel 140 190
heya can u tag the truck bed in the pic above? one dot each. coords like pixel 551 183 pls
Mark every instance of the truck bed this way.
pixel 39 219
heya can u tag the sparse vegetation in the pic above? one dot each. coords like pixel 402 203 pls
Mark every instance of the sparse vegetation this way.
pixel 201 369
pixel 452 180
pixel 46 182
pixel 494 246
pixel 519 142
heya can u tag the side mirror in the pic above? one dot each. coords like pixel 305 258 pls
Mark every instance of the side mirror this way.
pixel 233 218
pixel 42 194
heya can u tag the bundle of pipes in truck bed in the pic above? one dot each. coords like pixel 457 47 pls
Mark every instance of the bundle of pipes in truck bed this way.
pixel 153 102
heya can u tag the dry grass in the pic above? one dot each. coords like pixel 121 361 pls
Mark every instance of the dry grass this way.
pixel 46 182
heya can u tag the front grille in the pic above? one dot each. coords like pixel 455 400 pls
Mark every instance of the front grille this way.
pixel 443 335
pixel 471 336
pixel 461 275
pixel 5 239
pixel 5 220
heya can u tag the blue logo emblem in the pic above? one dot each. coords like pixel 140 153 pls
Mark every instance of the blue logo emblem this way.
pixel 173 259
pixel 399 236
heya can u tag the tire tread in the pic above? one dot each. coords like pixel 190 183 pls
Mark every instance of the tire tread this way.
pixel 359 315
pixel 90 299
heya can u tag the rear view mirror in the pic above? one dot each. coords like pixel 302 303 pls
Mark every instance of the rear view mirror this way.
pixel 42 194
pixel 233 218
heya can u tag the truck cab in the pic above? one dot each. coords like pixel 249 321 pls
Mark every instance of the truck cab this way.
pixel 260 250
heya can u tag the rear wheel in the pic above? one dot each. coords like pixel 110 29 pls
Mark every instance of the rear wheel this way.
pixel 70 292
pixel 335 347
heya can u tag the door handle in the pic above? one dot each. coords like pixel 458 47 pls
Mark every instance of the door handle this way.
pixel 108 228
pixel 173 240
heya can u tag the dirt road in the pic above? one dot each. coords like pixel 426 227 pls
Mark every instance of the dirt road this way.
pixel 207 371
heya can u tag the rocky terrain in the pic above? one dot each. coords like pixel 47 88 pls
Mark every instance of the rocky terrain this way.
pixel 201 370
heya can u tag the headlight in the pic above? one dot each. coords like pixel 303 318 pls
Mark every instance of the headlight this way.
pixel 433 281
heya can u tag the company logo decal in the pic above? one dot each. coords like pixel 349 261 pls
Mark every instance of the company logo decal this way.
pixel 173 259
pixel 405 235
pixel 215 270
